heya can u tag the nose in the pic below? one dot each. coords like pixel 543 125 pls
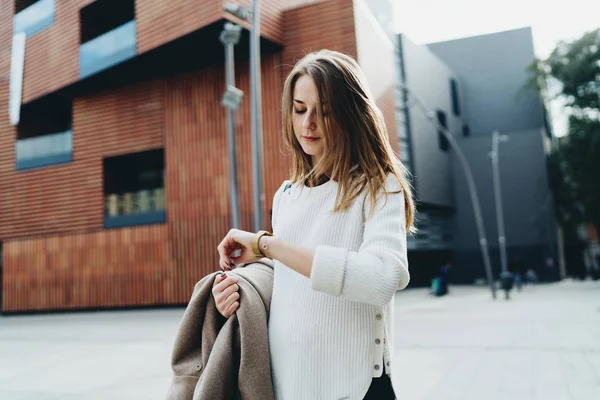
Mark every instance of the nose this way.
pixel 309 121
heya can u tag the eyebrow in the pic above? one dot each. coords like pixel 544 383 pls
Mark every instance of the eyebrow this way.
pixel 301 102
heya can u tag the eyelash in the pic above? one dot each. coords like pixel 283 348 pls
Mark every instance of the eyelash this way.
pixel 303 111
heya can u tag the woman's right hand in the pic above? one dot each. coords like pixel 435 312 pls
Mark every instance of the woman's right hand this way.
pixel 226 293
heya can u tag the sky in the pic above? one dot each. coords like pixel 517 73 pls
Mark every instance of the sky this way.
pixel 428 21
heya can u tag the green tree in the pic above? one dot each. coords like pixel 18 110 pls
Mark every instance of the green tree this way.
pixel 572 73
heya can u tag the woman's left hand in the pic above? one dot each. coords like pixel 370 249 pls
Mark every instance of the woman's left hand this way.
pixel 236 240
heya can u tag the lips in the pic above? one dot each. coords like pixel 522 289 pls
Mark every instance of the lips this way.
pixel 310 138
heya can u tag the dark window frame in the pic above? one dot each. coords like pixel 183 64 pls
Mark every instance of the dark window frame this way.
pixel 102 16
pixel 44 118
pixel 21 5
pixel 455 98
pixel 466 131
pixel 443 143
pixel 133 173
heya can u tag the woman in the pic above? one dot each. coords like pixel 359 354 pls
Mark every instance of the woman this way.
pixel 338 243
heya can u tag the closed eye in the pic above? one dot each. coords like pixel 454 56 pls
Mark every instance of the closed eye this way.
pixel 299 111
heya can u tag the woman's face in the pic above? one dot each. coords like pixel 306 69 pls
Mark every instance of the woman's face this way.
pixel 305 118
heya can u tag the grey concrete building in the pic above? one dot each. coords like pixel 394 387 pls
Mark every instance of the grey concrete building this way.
pixel 474 86
pixel 425 78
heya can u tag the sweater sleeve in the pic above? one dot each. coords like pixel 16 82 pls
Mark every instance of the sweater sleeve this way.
pixel 379 268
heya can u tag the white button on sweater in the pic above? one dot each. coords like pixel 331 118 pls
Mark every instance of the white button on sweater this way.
pixel 323 331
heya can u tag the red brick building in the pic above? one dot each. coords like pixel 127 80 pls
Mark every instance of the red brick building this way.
pixel 114 184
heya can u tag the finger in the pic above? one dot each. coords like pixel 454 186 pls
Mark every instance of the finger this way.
pixel 225 288
pixel 219 278
pixel 218 285
pixel 226 264
pixel 232 308
pixel 230 246
pixel 230 300
pixel 224 261
pixel 230 290
pixel 222 264
pixel 221 248
pixel 227 244
pixel 228 281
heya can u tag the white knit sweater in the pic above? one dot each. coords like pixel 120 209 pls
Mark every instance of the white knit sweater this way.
pixel 330 335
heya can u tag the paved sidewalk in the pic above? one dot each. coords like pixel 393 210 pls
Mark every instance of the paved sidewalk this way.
pixel 543 344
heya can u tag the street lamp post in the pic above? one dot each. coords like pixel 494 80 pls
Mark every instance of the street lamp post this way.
pixel 231 100
pixel 256 104
pixel 256 139
pixel 483 243
pixel 496 138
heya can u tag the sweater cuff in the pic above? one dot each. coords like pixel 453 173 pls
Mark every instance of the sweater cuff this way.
pixel 328 270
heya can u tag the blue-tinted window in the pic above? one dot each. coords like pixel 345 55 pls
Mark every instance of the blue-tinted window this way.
pixel 32 17
pixel 107 50
pixel 43 151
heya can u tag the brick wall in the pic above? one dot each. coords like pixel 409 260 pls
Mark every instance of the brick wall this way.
pixel 114 268
pixel 6 27
pixel 198 164
pixel 324 25
pixel 74 263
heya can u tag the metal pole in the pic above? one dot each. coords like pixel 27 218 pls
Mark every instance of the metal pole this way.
pixel 256 116
pixel 233 186
pixel 561 252
pixel 477 211
pixel 470 183
pixel 498 200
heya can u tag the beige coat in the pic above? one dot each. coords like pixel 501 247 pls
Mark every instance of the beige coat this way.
pixel 214 358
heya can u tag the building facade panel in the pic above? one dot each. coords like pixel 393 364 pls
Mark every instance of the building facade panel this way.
pixel 160 22
pixel 69 197
pixel 52 55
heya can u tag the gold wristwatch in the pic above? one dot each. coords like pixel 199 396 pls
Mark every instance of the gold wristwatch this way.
pixel 257 251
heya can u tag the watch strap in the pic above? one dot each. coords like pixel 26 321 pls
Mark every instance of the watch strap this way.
pixel 255 248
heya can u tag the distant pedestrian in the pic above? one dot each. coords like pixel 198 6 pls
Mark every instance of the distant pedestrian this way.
pixel 444 279
pixel 507 281
pixel 531 277
pixel 516 267
pixel 518 281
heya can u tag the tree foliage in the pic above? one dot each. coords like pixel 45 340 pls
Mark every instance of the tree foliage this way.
pixel 572 73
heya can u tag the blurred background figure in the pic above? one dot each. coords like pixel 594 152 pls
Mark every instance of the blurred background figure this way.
pixel 517 269
pixel 531 277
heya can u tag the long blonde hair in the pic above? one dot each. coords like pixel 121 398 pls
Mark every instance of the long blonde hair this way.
pixel 357 153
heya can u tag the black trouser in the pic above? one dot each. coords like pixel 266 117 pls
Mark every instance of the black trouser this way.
pixel 381 389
